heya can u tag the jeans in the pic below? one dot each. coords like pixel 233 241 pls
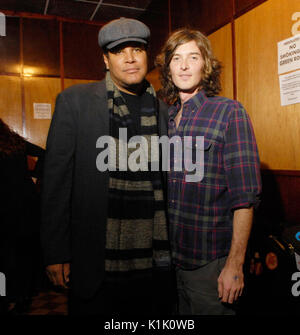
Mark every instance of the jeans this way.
pixel 198 290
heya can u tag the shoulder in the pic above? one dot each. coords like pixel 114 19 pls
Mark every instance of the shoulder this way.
pixel 225 101
pixel 86 90
pixel 231 108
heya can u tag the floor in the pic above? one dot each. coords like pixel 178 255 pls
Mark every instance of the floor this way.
pixel 48 303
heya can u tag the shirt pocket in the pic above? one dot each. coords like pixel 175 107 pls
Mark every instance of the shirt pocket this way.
pixel 200 157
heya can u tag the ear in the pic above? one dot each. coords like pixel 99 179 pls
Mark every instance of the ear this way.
pixel 105 58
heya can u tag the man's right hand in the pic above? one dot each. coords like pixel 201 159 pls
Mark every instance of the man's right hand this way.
pixel 59 274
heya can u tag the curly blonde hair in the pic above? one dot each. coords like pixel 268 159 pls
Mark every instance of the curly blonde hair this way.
pixel 211 71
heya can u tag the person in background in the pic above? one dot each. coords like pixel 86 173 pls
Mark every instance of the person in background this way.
pixel 104 233
pixel 19 220
pixel 210 219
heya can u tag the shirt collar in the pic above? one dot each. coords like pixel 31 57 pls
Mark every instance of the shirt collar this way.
pixel 195 102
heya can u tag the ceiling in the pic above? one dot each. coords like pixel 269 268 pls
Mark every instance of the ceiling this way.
pixel 89 10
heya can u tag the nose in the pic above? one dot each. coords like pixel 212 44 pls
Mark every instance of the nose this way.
pixel 129 56
pixel 184 65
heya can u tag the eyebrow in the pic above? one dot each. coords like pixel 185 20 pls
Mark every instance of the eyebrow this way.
pixel 190 53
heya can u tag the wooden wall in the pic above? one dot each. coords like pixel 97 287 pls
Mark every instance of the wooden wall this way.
pixel 221 42
pixel 39 58
pixel 277 128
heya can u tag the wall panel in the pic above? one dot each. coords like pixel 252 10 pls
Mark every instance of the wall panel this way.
pixel 39 90
pixel 241 6
pixel 276 127
pixel 10 47
pixel 41 53
pixel 221 43
pixel 156 18
pixel 11 102
pixel 82 55
pixel 205 15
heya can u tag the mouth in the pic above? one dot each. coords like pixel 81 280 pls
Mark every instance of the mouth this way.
pixel 131 71
pixel 185 76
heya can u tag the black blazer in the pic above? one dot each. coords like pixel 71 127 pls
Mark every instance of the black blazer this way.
pixel 74 192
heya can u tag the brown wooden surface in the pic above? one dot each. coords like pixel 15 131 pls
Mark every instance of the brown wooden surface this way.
pixel 205 15
pixel 41 47
pixel 242 6
pixel 10 47
pixel 157 19
pixel 221 43
pixel 277 128
pixel 11 103
pixel 82 55
pixel 39 90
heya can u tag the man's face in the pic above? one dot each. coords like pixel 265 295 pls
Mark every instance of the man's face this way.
pixel 186 67
pixel 127 65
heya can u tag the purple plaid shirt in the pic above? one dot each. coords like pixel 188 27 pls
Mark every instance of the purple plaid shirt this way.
pixel 201 213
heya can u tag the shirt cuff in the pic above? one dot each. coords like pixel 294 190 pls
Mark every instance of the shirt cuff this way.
pixel 246 200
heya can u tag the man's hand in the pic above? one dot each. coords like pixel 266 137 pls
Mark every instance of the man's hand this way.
pixel 230 284
pixel 59 274
pixel 231 279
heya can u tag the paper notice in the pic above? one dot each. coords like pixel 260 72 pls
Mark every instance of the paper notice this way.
pixel 290 88
pixel 41 111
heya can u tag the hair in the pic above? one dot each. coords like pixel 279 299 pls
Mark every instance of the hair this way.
pixel 211 71
pixel 10 142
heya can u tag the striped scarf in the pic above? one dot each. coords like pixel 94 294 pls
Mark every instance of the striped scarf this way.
pixel 136 238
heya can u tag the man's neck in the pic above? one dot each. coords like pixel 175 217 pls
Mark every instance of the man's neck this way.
pixel 185 96
pixel 133 89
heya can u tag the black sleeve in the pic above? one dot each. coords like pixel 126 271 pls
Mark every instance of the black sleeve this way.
pixel 33 150
pixel 57 184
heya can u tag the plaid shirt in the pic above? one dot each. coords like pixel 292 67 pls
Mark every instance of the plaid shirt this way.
pixel 201 213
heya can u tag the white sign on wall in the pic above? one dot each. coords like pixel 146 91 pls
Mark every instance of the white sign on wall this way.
pixel 289 54
pixel 2 25
pixel 290 88
pixel 41 111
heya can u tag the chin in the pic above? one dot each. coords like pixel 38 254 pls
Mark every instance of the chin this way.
pixel 188 90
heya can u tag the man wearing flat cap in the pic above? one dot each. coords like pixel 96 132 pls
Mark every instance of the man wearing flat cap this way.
pixel 104 230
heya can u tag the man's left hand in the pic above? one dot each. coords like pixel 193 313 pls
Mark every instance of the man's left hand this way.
pixel 230 284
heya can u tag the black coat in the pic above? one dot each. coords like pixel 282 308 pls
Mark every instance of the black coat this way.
pixel 75 193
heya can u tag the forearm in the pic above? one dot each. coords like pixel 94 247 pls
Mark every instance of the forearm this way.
pixel 242 223
pixel 231 279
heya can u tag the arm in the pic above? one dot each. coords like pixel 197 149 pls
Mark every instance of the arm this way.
pixel 241 163
pixel 56 192
pixel 231 279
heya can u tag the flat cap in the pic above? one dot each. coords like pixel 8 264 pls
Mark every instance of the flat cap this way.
pixel 123 30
